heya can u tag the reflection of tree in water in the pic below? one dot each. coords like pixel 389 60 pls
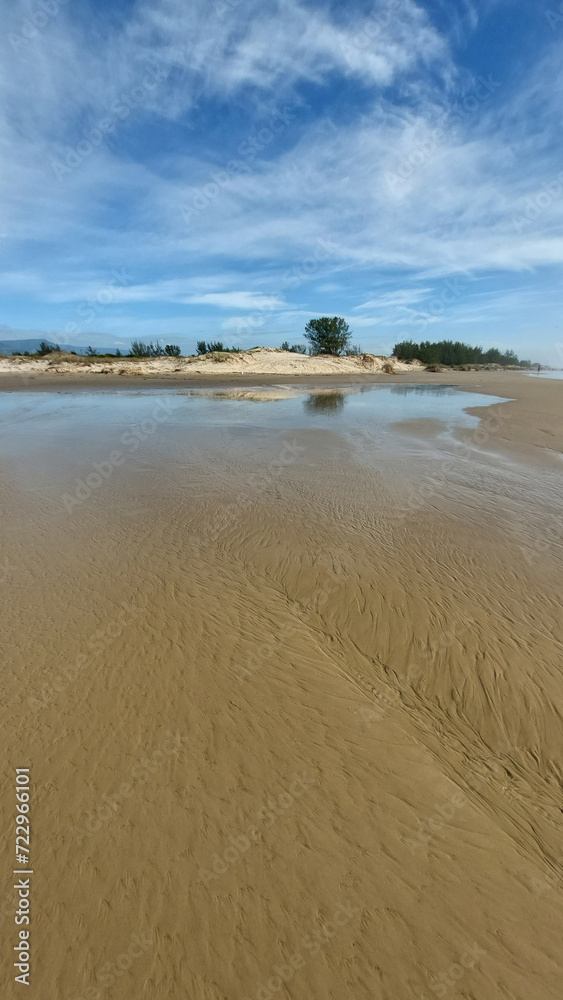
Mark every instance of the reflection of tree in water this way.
pixel 422 390
pixel 325 401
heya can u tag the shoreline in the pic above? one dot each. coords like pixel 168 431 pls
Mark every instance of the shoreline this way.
pixel 531 427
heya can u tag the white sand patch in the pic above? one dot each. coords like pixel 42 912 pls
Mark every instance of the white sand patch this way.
pixel 261 361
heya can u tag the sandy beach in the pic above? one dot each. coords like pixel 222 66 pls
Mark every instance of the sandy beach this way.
pixel 291 701
pixel 281 454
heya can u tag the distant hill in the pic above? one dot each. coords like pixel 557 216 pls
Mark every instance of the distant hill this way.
pixel 32 345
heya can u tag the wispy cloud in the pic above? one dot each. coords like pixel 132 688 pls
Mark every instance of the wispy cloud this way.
pixel 410 163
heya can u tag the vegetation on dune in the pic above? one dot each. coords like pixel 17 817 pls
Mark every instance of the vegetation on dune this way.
pixel 294 349
pixel 153 350
pixel 45 348
pixel 328 335
pixel 215 346
pixel 449 352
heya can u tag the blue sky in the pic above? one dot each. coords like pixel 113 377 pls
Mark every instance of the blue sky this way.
pixel 228 169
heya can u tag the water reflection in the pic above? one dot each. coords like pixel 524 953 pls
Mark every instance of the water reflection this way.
pixel 422 390
pixel 326 402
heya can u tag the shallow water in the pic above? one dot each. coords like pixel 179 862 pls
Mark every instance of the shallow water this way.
pixel 49 423
pixel 53 443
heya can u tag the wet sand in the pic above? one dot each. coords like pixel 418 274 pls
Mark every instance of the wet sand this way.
pixel 294 721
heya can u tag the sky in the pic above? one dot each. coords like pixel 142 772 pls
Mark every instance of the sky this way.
pixel 229 169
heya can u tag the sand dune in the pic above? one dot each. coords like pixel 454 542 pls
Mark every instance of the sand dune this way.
pixel 259 361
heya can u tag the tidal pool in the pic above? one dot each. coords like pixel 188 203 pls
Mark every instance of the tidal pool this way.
pixel 47 437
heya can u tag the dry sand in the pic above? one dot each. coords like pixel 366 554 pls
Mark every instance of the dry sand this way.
pixel 364 694
pixel 259 361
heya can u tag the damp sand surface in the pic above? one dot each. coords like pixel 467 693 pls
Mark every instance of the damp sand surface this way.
pixel 287 674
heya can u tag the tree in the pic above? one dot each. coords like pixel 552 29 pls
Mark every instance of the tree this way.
pixel 45 348
pixel 294 349
pixel 138 349
pixel 215 345
pixel 328 336
pixel 172 350
pixel 91 350
pixel 407 350
pixel 141 350
pixel 449 352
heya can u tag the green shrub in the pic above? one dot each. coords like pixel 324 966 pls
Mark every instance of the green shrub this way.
pixel 45 348
pixel 141 350
pixel 215 346
pixel 294 349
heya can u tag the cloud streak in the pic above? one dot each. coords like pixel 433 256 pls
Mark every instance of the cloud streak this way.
pixel 412 165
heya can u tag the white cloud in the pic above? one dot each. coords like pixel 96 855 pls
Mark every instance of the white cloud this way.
pixel 376 185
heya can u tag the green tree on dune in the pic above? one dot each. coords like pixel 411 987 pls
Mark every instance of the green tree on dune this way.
pixel 328 335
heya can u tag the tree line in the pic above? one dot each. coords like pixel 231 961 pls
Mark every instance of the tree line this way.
pixel 139 349
pixel 450 352
pixel 330 335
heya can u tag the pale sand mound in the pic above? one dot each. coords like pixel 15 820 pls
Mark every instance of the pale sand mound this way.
pixel 260 361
